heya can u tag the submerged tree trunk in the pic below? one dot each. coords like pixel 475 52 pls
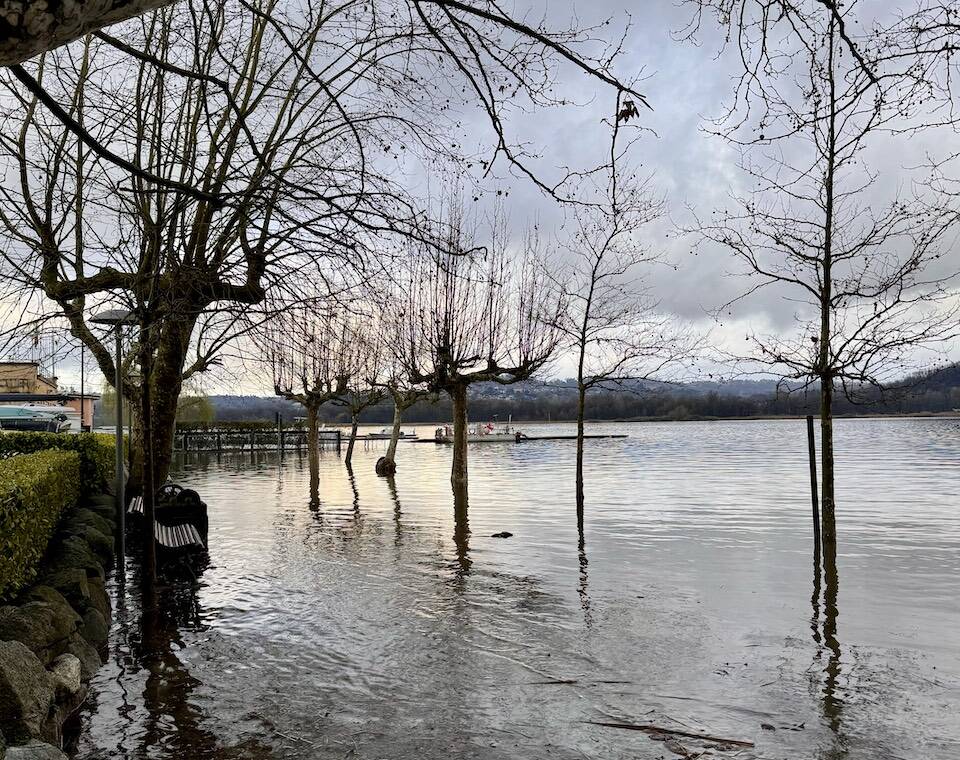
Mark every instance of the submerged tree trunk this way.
pixel 827 503
pixel 458 474
pixel 581 405
pixel 828 520
pixel 395 433
pixel 387 464
pixel 313 452
pixel 348 459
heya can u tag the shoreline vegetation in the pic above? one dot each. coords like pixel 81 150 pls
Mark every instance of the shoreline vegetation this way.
pixel 268 425
pixel 931 394
pixel 57 536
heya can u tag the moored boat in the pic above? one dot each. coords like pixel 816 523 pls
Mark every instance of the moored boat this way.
pixel 33 418
pixel 385 434
pixel 482 432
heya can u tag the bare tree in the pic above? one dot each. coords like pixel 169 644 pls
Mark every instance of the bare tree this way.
pixel 404 395
pixel 364 388
pixel 610 320
pixel 203 154
pixel 312 361
pixel 861 271
pixel 473 314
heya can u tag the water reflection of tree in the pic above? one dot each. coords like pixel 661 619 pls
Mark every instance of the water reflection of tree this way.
pixel 582 586
pixel 397 512
pixel 356 494
pixel 825 636
pixel 173 721
pixel 461 529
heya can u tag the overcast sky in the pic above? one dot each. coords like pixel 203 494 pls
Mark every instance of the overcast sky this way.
pixel 686 84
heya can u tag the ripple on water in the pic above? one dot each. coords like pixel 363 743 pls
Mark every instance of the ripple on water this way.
pixel 378 625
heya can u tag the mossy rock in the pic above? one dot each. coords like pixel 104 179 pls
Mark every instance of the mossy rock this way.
pixel 27 693
pixel 106 511
pixel 83 650
pixel 73 584
pixel 88 517
pixel 75 552
pixel 44 627
pixel 99 598
pixel 35 750
pixel 102 544
pixel 94 628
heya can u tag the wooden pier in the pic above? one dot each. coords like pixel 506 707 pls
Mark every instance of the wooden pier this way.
pixel 229 440
pixel 533 438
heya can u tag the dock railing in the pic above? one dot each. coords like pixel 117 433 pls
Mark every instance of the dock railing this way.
pixel 232 439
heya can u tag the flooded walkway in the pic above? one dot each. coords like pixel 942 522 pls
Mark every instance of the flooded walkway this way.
pixel 380 626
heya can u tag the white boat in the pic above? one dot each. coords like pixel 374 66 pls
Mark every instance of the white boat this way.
pixel 32 417
pixel 385 434
pixel 70 414
pixel 482 432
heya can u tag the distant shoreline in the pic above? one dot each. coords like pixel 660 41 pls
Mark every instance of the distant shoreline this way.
pixel 691 418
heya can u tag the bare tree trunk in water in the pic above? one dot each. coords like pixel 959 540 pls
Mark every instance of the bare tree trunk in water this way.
pixel 828 519
pixel 394 434
pixel 581 404
pixel 458 474
pixel 828 516
pixel 348 459
pixel 313 453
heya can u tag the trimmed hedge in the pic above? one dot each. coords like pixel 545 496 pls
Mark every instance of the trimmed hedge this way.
pixel 35 489
pixel 96 450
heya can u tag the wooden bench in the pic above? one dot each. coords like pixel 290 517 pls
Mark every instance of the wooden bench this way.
pixel 177 536
pixel 171 536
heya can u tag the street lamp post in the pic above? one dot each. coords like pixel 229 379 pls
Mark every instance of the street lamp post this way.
pixel 117 318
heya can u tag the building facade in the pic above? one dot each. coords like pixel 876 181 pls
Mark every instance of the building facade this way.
pixel 25 377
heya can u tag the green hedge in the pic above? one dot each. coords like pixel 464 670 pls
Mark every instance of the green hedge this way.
pixel 96 450
pixel 34 490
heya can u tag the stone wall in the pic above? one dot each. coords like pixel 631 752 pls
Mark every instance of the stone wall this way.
pixel 54 635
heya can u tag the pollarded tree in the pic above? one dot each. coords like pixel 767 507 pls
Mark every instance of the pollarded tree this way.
pixel 364 387
pixel 199 155
pixel 862 271
pixel 312 359
pixel 404 395
pixel 473 314
pixel 392 326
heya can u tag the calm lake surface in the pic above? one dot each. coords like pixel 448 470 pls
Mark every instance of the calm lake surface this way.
pixel 377 626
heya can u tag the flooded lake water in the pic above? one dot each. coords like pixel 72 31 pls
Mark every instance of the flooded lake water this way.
pixel 378 626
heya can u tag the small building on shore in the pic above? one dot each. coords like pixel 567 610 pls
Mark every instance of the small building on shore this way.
pixel 25 377
pixel 23 383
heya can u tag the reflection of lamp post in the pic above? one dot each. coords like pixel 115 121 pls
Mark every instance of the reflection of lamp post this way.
pixel 117 318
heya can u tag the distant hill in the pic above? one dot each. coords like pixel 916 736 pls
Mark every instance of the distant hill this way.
pixel 936 391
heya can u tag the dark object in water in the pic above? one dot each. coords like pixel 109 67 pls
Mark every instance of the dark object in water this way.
pixel 502 534
pixel 386 467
